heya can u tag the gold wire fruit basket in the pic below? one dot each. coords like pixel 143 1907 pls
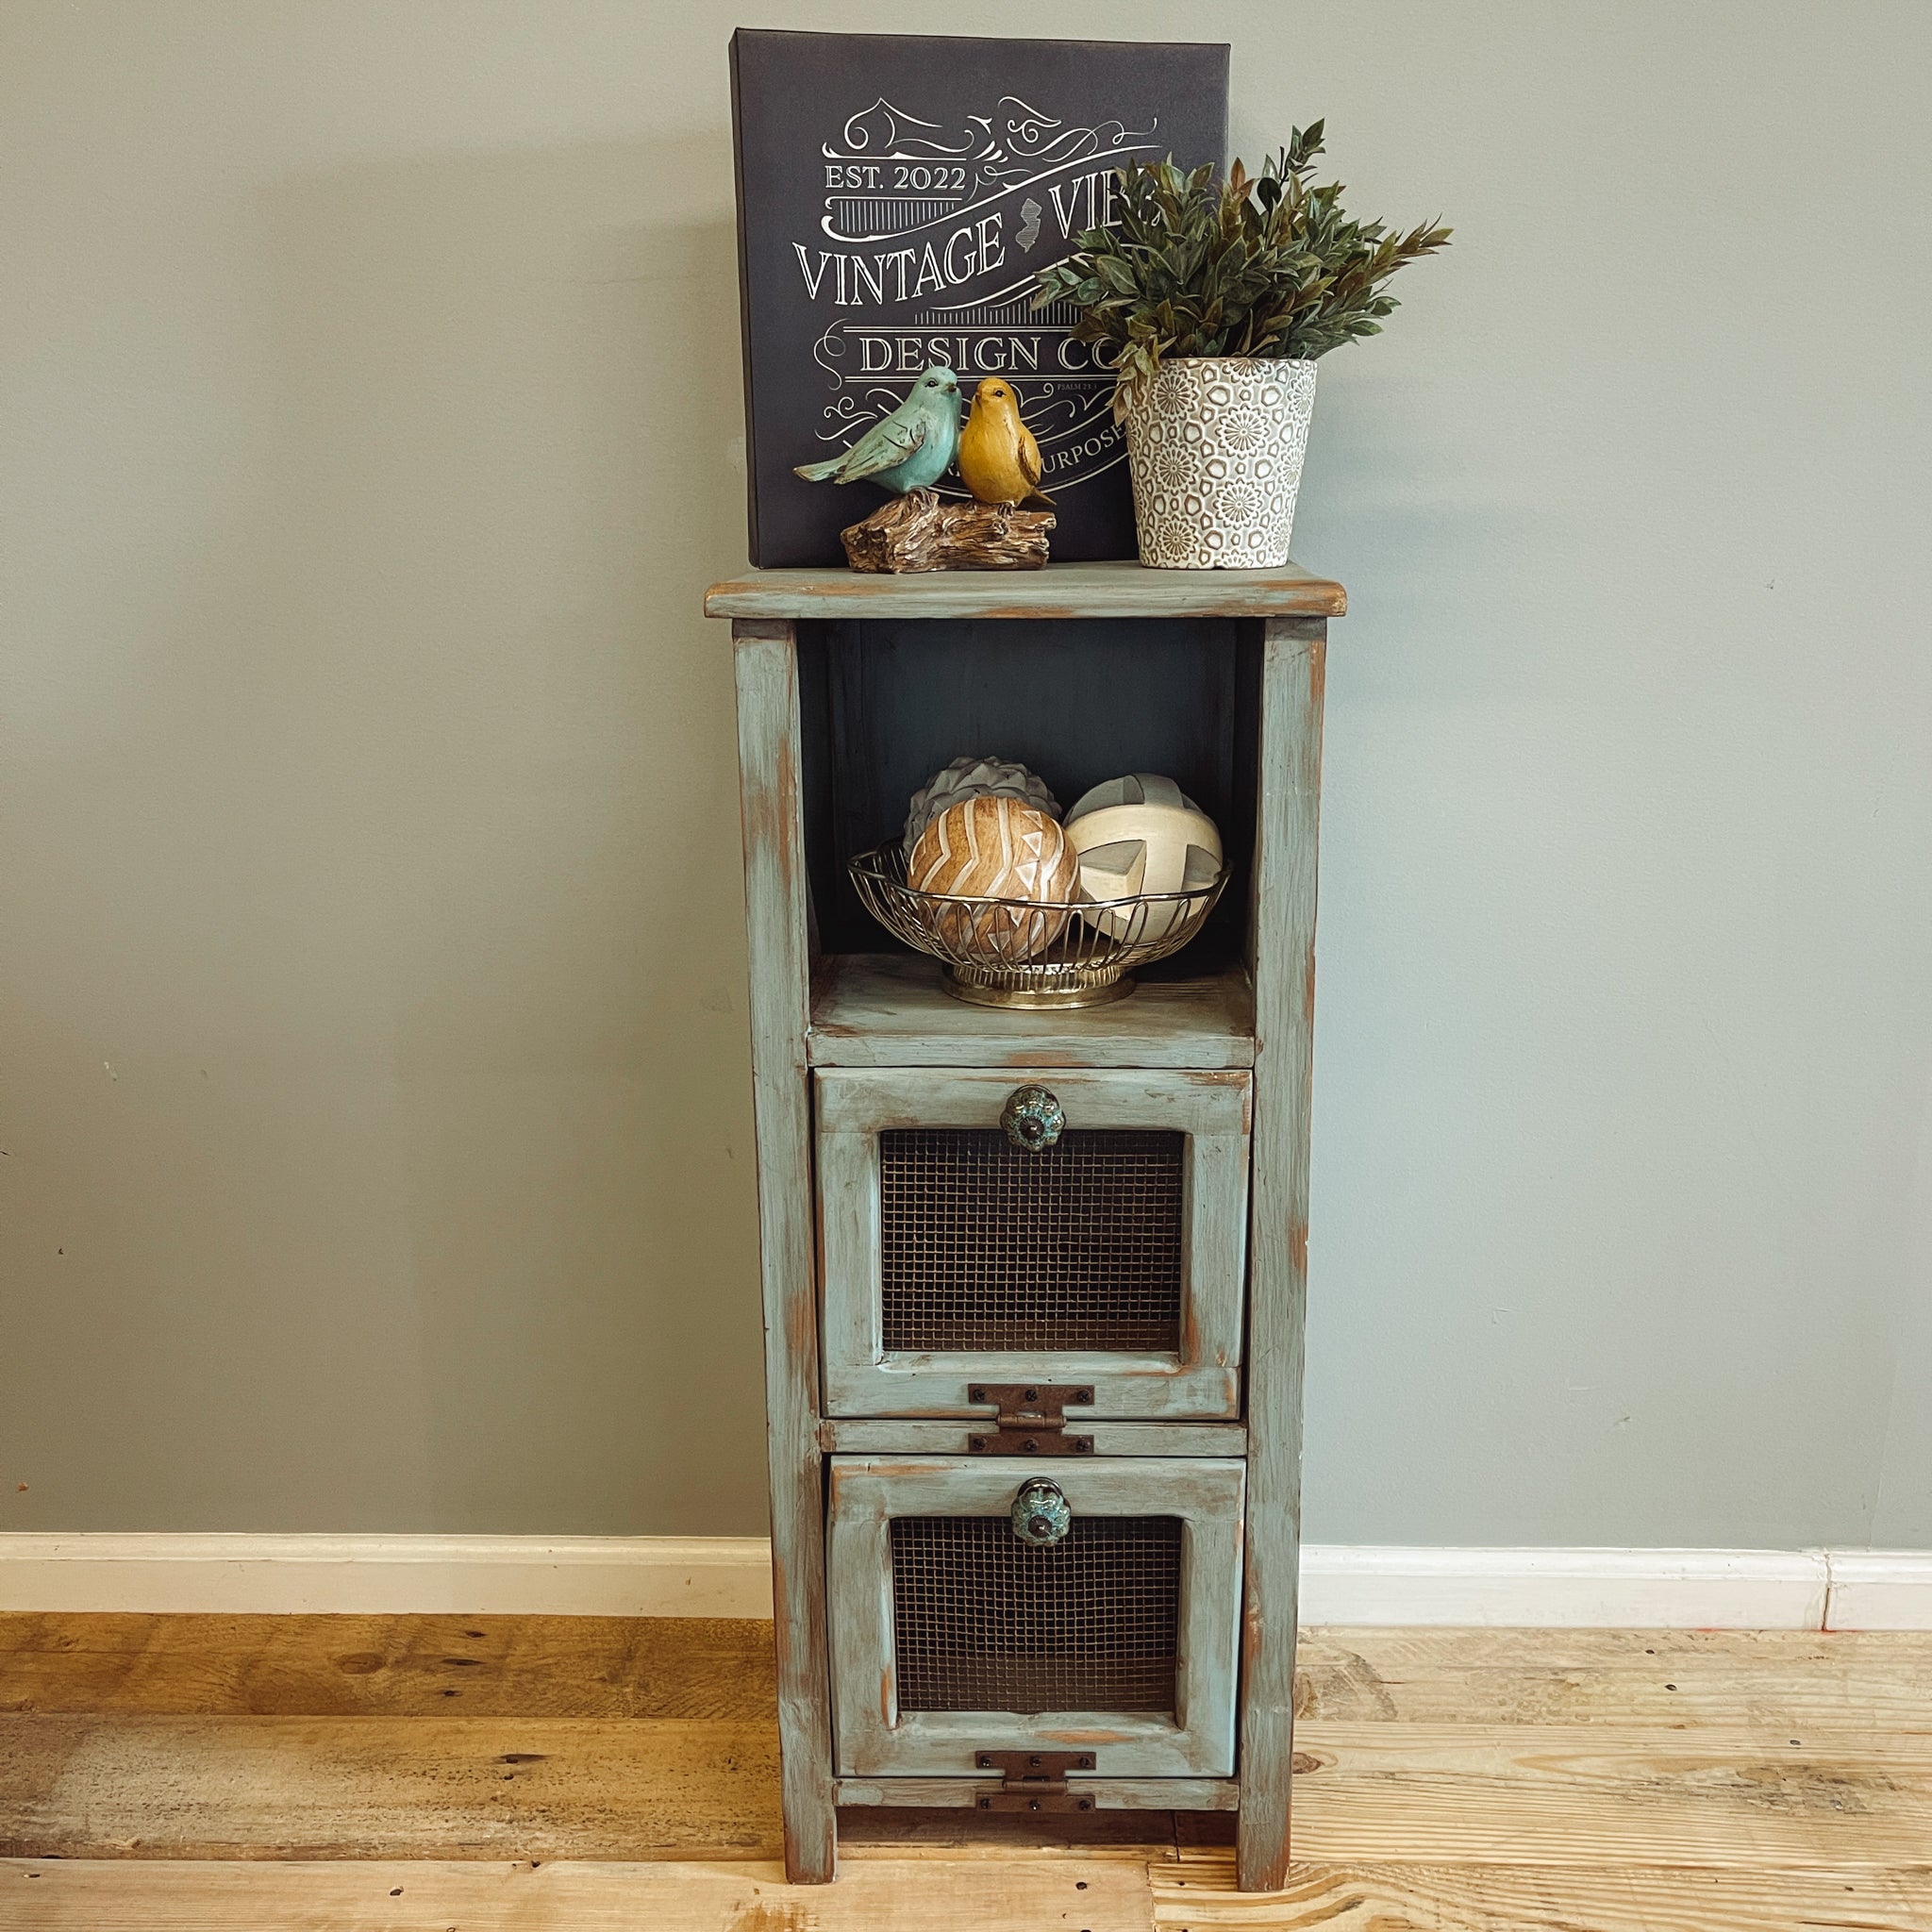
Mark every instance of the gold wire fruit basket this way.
pixel 1023 953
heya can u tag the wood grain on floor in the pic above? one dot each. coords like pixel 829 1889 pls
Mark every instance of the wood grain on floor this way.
pixel 1198 1895
pixel 132 1785
pixel 525 1667
pixel 872 1895
pixel 1450 1780
pixel 675 1667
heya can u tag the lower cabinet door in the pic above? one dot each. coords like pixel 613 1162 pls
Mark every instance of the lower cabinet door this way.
pixel 974 1611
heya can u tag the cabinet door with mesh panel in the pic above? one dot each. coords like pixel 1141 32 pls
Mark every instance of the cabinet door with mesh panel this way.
pixel 952 1636
pixel 953 1252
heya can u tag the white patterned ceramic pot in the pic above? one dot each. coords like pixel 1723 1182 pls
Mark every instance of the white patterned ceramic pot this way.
pixel 1215 447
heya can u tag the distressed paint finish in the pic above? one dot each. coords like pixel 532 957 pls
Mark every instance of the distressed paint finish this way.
pixel 876 1738
pixel 1109 1793
pixel 948 1437
pixel 865 1102
pixel 1062 589
pixel 778 923
pixel 1282 938
pixel 886 1016
pixel 889 1010
pixel 1211 1108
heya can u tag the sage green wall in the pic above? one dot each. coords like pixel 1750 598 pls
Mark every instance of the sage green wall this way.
pixel 378 1152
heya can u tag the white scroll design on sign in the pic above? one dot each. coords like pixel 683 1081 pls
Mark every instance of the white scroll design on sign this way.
pixel 931 235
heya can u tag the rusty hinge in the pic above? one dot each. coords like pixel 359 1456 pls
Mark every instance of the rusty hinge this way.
pixel 1033 1780
pixel 1031 1420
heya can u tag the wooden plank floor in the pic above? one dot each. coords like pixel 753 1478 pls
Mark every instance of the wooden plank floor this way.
pixel 536 1772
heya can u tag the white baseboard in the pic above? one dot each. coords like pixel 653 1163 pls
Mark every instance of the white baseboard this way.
pixel 1656 1589
pixel 729 1576
pixel 1880 1590
pixel 472 1575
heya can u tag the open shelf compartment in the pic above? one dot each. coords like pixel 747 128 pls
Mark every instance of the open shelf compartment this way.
pixel 885 704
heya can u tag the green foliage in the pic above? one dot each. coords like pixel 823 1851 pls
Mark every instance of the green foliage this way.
pixel 1265 266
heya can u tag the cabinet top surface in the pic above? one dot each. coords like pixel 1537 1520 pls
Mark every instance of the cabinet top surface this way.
pixel 889 1010
pixel 1062 589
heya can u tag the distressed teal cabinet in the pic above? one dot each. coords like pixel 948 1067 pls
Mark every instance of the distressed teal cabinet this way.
pixel 1034 1426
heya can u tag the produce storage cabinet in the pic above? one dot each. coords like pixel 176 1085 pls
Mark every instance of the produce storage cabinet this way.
pixel 1033 1279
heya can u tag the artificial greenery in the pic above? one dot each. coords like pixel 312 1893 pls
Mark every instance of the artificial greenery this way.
pixel 1263 265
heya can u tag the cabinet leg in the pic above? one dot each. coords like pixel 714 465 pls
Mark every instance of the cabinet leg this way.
pixel 1283 961
pixel 1262 1835
pixel 811 1836
pixel 807 1788
pixel 778 926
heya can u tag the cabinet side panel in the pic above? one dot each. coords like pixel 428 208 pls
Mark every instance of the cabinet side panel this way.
pixel 776 927
pixel 1282 942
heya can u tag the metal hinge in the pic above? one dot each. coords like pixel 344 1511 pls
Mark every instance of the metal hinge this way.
pixel 1033 1780
pixel 1031 1420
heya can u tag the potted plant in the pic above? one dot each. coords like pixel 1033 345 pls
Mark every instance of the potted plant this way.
pixel 1216 300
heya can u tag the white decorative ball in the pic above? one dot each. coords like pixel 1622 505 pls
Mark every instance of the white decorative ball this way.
pixel 975 777
pixel 1141 834
pixel 996 848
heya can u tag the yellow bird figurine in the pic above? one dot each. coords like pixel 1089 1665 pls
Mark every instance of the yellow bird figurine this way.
pixel 999 460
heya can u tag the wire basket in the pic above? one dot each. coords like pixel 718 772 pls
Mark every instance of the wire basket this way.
pixel 1021 953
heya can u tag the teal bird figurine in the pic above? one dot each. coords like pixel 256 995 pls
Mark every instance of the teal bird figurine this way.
pixel 910 449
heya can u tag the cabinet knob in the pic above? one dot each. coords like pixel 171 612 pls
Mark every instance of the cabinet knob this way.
pixel 1042 1514
pixel 1033 1119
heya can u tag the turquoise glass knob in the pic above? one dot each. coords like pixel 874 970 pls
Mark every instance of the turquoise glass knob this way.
pixel 1033 1119
pixel 1040 1514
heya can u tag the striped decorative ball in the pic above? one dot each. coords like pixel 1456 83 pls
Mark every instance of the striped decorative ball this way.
pixel 996 848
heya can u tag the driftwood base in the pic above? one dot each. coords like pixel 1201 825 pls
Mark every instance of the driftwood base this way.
pixel 920 531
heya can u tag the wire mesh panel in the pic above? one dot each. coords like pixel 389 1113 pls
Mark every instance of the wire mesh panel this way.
pixel 984 1622
pixel 987 1246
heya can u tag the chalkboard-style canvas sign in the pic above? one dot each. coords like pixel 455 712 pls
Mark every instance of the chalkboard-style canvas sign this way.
pixel 896 196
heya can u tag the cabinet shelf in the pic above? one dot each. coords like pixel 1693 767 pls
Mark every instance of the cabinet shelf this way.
pixel 891 1010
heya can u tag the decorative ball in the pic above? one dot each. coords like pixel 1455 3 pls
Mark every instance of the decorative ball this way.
pixel 975 777
pixel 996 848
pixel 1141 834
